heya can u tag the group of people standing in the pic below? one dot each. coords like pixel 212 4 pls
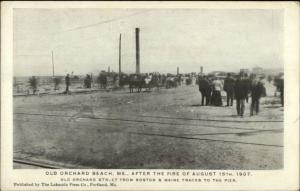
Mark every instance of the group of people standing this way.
pixel 237 88
pixel 87 82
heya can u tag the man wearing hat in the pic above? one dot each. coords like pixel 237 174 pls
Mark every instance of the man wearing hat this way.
pixel 241 92
pixel 257 91
pixel 229 89
pixel 205 89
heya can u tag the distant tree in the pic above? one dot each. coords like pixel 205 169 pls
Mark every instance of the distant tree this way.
pixel 33 83
pixel 56 81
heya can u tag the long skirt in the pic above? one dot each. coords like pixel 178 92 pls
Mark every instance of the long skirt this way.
pixel 216 99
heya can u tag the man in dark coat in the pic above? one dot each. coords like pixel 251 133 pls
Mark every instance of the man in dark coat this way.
pixel 205 89
pixel 279 83
pixel 229 89
pixel 67 80
pixel 281 90
pixel 248 81
pixel 257 91
pixel 241 90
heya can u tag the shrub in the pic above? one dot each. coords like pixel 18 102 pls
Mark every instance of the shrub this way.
pixel 33 83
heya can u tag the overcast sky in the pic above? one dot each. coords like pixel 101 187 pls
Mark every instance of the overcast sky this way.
pixel 86 40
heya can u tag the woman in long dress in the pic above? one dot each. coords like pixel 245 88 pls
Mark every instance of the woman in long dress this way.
pixel 216 95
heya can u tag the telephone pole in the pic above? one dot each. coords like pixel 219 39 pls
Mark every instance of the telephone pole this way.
pixel 120 54
pixel 52 63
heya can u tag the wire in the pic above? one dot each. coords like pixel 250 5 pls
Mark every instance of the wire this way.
pixel 104 22
pixel 91 25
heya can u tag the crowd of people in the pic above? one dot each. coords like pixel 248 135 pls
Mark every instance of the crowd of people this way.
pixel 238 87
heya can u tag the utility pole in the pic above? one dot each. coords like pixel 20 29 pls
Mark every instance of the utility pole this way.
pixel 52 63
pixel 120 59
pixel 137 49
pixel 120 55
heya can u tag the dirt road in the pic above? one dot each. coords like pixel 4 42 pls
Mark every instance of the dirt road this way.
pixel 160 129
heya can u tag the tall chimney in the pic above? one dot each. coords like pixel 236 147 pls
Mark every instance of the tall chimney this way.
pixel 137 49
pixel 201 69
pixel 177 70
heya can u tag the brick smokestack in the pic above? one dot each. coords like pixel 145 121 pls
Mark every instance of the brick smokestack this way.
pixel 137 48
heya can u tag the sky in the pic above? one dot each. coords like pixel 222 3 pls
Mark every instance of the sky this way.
pixel 87 40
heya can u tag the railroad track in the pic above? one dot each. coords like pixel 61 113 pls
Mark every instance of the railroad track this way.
pixel 208 139
pixel 191 135
pixel 35 164
pixel 157 117
pixel 213 120
pixel 140 121
pixel 152 122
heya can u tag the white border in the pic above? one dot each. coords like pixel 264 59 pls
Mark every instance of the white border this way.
pixel 286 179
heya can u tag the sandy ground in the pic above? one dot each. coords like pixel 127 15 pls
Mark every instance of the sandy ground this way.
pixel 163 129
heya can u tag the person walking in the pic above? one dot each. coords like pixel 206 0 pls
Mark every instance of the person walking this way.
pixel 241 93
pixel 67 80
pixel 229 89
pixel 257 91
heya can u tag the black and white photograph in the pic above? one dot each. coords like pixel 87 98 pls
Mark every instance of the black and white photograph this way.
pixel 148 88
pixel 149 95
